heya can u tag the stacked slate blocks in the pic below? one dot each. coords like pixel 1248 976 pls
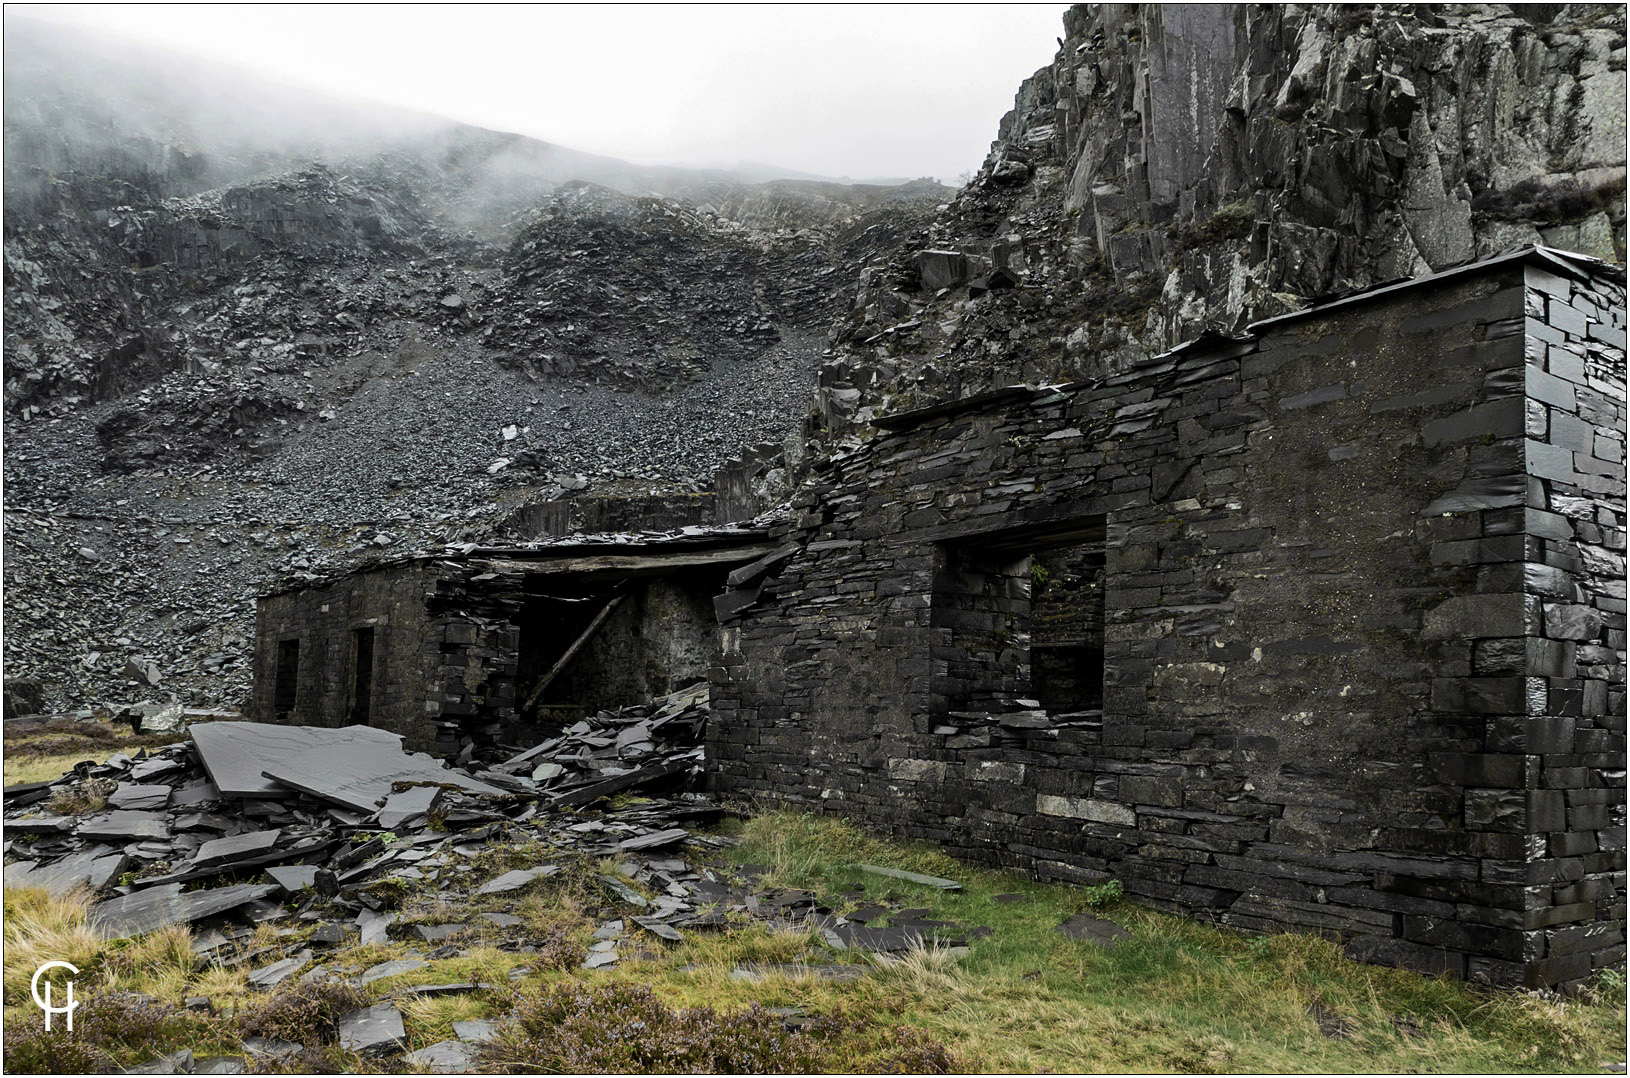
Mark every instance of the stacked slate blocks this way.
pixel 1363 628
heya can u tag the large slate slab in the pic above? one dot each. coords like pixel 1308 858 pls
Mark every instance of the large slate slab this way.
pixel 359 774
pixel 373 1030
pixel 144 911
pixel 235 753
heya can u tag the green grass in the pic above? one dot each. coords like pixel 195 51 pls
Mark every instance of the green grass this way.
pixel 50 750
pixel 1177 996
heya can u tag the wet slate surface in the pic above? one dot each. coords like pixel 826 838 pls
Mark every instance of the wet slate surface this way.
pixel 143 911
pixel 235 753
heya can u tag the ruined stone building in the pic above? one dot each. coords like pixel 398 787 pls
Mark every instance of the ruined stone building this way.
pixel 1319 628
pixel 443 648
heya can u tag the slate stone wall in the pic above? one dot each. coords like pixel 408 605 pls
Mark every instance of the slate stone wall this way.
pixel 391 602
pixel 1333 697
pixel 1574 441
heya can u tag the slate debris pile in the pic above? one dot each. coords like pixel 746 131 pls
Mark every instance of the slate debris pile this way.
pixel 205 834
pixel 655 745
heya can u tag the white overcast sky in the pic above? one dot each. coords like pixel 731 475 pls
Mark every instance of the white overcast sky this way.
pixel 862 91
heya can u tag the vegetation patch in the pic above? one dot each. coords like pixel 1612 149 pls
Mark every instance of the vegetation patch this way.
pixel 1550 203
pixel 619 1027
pixel 306 1013
pixel 111 1031
pixel 1233 221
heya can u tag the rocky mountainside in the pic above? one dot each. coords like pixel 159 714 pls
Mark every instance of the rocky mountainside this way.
pixel 1184 168
pixel 279 335
pixel 240 354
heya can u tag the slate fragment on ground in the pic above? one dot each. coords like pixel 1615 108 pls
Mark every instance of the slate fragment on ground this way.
pixel 1093 930
pixel 911 877
pixel 375 1030
pixel 142 912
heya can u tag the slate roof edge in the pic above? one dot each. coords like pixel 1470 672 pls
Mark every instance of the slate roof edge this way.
pixel 897 421
pixel 618 543
pixel 558 546
pixel 1568 263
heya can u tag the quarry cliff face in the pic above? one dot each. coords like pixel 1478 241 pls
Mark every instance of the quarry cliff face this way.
pixel 1184 168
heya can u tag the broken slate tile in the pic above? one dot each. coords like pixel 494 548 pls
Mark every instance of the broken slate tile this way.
pixel 443 1057
pixel 449 989
pixel 125 824
pixel 658 929
pixel 278 972
pixel 374 925
pixel 292 878
pixel 600 959
pixel 476 1030
pixel 96 868
pixel 911 877
pixel 157 765
pixel 219 851
pixel 401 807
pixel 623 891
pixel 755 971
pixel 40 825
pixel 514 881
pixel 387 969
pixel 1093 930
pixel 272 1050
pixel 656 840
pixel 373 1030
pixel 144 911
pixel 502 920
pixel 132 795
pixel 220 1065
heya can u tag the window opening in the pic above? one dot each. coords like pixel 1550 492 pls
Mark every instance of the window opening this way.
pixel 1018 622
pixel 362 675
pixel 287 680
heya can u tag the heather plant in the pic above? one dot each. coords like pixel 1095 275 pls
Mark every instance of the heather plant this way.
pixel 306 1013
pixel 111 1031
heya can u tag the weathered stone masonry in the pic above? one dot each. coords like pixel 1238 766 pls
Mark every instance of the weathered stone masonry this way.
pixel 447 650
pixel 1362 620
